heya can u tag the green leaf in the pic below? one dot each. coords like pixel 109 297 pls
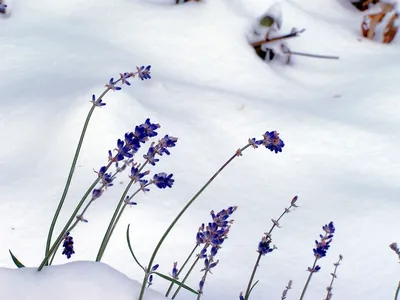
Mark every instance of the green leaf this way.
pixel 16 261
pixel 130 247
pixel 251 289
pixel 176 282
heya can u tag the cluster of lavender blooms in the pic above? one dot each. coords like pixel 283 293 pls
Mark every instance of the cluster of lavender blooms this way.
pixel 212 236
pixel 68 245
pixel 271 141
pixel 125 152
pixel 322 246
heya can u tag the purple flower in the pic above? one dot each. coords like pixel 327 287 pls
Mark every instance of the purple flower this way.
pixel 162 180
pixel 68 245
pixel 143 73
pixel 273 142
pixel 111 85
pixel 96 193
pixel 150 156
pixel 174 272
pixel 99 102
pixel 264 246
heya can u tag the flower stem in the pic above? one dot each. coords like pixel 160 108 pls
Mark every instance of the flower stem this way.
pixel 180 215
pixel 181 269
pixel 329 288
pixel 117 219
pixel 71 228
pixel 204 281
pixel 110 225
pixel 186 276
pixel 397 291
pixel 308 279
pixel 274 224
pixel 69 179
pixel 65 229
pixel 247 294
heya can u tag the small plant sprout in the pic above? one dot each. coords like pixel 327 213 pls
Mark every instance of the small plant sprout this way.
pixel 396 250
pixel 319 251
pixel 330 287
pixel 264 247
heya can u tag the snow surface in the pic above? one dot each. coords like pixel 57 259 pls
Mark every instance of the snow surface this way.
pixel 339 120
pixel 76 280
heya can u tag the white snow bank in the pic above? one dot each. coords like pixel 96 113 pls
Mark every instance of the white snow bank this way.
pixel 76 280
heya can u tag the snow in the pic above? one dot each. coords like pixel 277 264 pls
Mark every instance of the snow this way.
pixel 76 280
pixel 338 118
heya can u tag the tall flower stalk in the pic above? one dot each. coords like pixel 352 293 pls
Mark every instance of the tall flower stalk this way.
pixel 265 248
pixel 329 289
pixel 271 141
pixel 319 251
pixel 161 180
pixel 142 73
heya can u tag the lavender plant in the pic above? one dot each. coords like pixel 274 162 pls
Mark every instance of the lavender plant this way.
pixel 396 250
pixel 210 236
pixel 264 247
pixel 270 140
pixel 319 251
pixel 329 294
pixel 142 73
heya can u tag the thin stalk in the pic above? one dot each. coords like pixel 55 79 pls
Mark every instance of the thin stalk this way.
pixel 247 294
pixel 110 225
pixel 186 276
pixel 69 179
pixel 72 228
pixel 142 290
pixel 181 269
pixel 204 281
pixel 65 229
pixel 118 217
pixel 397 292
pixel 253 273
pixel 329 288
pixel 308 280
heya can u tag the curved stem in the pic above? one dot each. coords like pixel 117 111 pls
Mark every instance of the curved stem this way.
pixel 110 225
pixel 186 276
pixel 65 229
pixel 180 215
pixel 70 229
pixel 247 294
pixel 397 291
pixel 114 224
pixel 181 269
pixel 69 179
pixel 308 280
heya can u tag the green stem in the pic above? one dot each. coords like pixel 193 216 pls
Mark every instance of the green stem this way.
pixel 71 228
pixel 247 293
pixel 65 229
pixel 329 289
pixel 142 290
pixel 110 225
pixel 181 269
pixel 397 291
pixel 204 282
pixel 308 280
pixel 186 276
pixel 114 224
pixel 69 179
